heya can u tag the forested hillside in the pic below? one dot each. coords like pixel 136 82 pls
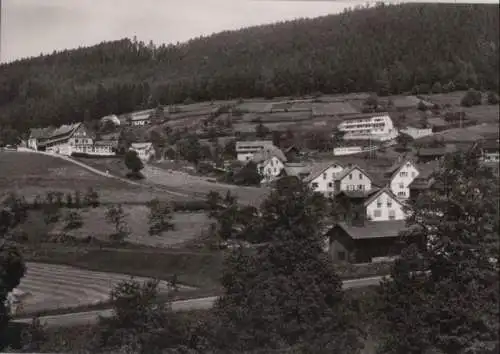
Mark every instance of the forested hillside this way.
pixel 388 49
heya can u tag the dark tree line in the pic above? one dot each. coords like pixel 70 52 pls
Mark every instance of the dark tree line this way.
pixel 387 49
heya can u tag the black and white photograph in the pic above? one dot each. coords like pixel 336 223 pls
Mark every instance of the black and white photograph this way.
pixel 249 177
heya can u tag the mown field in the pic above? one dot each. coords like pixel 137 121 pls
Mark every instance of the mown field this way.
pixel 30 174
pixel 54 287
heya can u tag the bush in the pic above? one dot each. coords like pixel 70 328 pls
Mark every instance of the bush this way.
pixel 471 98
pixel 134 175
pixel 492 98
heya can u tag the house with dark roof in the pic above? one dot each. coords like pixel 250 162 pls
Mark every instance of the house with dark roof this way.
pixel 425 180
pixel 322 177
pixel 292 153
pixel 400 175
pixel 270 162
pixel 365 243
pixel 427 154
pixel 38 136
pixel 353 179
pixel 377 204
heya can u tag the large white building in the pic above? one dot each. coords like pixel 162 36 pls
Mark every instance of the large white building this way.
pixel 70 139
pixel 245 150
pixel 377 128
pixel 401 175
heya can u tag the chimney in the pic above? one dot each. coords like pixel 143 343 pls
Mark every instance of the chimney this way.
pixel 358 215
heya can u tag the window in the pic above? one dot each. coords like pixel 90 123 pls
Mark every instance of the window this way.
pixel 350 175
pixel 324 175
pixel 377 213
pixel 392 215
pixel 330 185
pixel 389 203
pixel 401 194
pixel 403 174
pixel 361 187
pixel 379 204
pixel 341 255
pixel 360 176
pixel 401 185
pixel 314 185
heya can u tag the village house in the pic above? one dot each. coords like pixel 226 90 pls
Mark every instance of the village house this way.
pixel 401 175
pixel 68 139
pixel 353 179
pixel 424 180
pixel 299 170
pixel 377 205
pixel 145 151
pixel 270 162
pixel 292 153
pixel 111 118
pixel 246 149
pixel 417 133
pixel 368 242
pixel 139 118
pixel 38 136
pixel 427 154
pixel 321 179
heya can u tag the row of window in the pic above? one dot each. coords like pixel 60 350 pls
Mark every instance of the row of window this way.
pixel 378 214
pixel 405 174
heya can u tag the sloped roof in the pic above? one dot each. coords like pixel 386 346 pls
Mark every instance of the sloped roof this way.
pixel 346 171
pixel 141 146
pixel 65 129
pixel 318 168
pixel 358 194
pixel 41 133
pixel 374 229
pixel 296 169
pixel 391 171
pixel 375 195
pixel 255 143
pixel 267 153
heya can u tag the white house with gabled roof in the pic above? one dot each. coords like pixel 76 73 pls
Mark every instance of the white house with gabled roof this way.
pixel 322 177
pixel 401 175
pixel 353 179
pixel 270 163
pixel 384 206
pixel 246 149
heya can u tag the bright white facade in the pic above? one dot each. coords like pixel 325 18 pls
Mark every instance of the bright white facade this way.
pixel 384 206
pixel 353 179
pixel 417 133
pixel 378 128
pixel 322 178
pixel 145 151
pixel 270 169
pixel 245 150
pixel 402 178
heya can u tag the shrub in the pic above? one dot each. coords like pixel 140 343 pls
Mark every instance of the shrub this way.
pixel 471 98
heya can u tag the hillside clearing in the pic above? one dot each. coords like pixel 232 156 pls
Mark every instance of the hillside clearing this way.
pixel 188 226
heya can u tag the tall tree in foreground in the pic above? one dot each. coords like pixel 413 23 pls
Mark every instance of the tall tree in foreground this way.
pixel 140 323
pixel 285 295
pixel 454 309
pixel 12 267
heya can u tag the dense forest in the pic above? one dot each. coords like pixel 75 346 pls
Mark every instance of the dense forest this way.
pixel 387 49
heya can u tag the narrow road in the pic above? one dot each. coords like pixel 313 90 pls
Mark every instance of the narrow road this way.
pixel 89 317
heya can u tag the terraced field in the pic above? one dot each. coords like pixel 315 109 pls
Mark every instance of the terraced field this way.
pixel 50 287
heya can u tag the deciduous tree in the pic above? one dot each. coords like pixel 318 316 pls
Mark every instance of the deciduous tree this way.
pixel 115 215
pixel 160 217
pixel 454 308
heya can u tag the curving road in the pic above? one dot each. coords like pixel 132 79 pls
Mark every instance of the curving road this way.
pixel 88 317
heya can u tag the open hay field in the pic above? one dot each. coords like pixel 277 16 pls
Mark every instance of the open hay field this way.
pixel 50 287
pixel 30 174
pixel 483 114
pixel 334 108
pixel 254 106
pixel 188 226
pixel 200 186
pixel 452 98
pixel 472 134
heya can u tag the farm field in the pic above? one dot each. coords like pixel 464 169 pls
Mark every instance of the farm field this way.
pixel 51 287
pixel 188 226
pixel 473 133
pixel 30 174
pixel 334 108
